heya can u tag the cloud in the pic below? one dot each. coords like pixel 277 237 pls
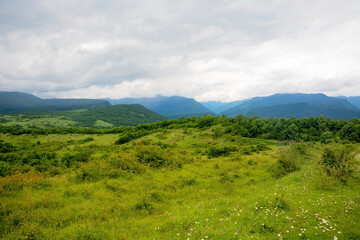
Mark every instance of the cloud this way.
pixel 210 50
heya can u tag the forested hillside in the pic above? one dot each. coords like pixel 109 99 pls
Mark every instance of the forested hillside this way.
pixel 17 102
pixel 99 117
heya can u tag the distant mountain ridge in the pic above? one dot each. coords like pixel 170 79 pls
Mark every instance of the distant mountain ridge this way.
pixel 17 102
pixel 172 107
pixel 295 105
pixel 218 107
pixel 355 100
pixel 301 110
pixel 278 105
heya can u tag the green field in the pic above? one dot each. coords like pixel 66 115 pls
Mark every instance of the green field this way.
pixel 189 181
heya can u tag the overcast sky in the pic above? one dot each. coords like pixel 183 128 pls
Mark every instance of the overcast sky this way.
pixel 206 49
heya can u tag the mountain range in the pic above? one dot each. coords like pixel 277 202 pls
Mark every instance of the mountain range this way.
pixel 297 105
pixel 18 102
pixel 172 107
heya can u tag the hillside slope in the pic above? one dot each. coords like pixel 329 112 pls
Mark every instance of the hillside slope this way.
pixel 172 107
pixel 16 102
pixel 99 117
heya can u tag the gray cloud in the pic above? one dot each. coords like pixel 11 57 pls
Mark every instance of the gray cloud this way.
pixel 211 50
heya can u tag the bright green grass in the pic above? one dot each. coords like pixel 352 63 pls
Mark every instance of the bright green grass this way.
pixel 227 197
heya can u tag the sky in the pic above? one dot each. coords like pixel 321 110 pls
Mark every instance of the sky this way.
pixel 223 50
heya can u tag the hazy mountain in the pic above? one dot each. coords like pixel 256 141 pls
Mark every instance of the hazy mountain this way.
pixel 171 107
pixel 301 110
pixel 353 100
pixel 319 100
pixel 15 102
pixel 218 107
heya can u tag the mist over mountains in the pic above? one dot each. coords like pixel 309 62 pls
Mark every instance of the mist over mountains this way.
pixel 297 105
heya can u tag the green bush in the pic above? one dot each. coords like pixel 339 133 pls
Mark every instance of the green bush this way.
pixel 337 161
pixel 126 162
pixel 288 162
pixel 85 140
pixel 218 151
pixel 153 155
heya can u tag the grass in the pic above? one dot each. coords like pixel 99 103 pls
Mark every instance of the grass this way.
pixel 196 195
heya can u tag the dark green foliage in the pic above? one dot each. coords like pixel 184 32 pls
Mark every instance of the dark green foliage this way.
pixel 82 155
pixel 205 121
pixel 85 140
pixel 127 137
pixel 288 162
pixel 337 161
pixel 218 151
pixel 126 162
pixel 6 147
pixel 144 205
pixel 5 168
pixel 153 155
pixel 3 120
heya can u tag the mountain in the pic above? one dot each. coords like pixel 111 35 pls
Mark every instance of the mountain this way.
pixel 218 107
pixel 301 110
pixel 99 117
pixel 353 100
pixel 17 102
pixel 319 100
pixel 172 107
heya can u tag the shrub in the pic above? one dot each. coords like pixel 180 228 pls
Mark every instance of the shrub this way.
pixel 90 172
pixel 127 137
pixel 205 121
pixel 4 169
pixel 6 147
pixel 126 162
pixel 287 163
pixel 218 151
pixel 218 132
pixel 153 155
pixel 85 140
pixel 144 205
pixel 337 161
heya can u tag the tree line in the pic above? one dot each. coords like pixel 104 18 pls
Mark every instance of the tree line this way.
pixel 306 129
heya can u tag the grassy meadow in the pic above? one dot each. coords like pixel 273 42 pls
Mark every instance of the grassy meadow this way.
pixel 180 183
